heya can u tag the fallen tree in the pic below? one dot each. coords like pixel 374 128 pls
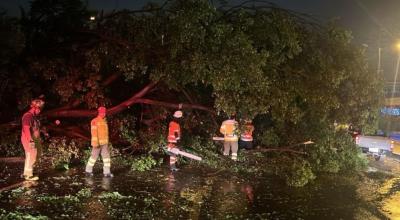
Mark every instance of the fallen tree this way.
pixel 291 74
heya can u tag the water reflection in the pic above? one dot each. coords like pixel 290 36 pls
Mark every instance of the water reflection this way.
pixel 28 185
pixel 28 191
pixel 170 183
pixel 89 181
pixel 248 190
pixel 389 190
pixel 106 183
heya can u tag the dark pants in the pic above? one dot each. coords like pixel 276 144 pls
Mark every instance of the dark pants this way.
pixel 246 144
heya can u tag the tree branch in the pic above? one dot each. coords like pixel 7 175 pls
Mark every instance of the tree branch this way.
pixel 131 100
pixel 78 113
pixel 70 131
pixel 173 105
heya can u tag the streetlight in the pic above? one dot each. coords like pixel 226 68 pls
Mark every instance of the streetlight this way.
pixel 397 46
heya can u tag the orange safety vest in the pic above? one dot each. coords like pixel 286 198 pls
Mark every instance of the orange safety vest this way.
pixel 247 134
pixel 99 131
pixel 174 132
pixel 229 130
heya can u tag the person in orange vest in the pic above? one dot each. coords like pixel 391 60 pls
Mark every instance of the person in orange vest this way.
pixel 99 142
pixel 29 134
pixel 229 128
pixel 174 135
pixel 246 136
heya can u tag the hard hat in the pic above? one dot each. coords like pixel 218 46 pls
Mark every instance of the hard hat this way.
pixel 102 109
pixel 178 114
pixel 37 103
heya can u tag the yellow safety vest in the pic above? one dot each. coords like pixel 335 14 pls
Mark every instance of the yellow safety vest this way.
pixel 99 131
pixel 229 130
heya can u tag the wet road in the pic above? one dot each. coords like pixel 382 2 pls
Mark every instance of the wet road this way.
pixel 195 193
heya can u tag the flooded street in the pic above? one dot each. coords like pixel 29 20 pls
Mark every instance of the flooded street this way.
pixel 196 193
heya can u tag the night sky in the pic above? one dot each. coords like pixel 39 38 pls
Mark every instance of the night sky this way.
pixel 374 23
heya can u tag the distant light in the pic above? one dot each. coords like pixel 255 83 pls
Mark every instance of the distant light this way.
pixel 393 111
pixel 92 18
pixel 398 45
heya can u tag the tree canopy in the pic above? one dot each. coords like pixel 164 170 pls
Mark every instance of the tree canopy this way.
pixel 292 74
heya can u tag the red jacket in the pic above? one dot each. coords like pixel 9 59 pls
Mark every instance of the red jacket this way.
pixel 174 132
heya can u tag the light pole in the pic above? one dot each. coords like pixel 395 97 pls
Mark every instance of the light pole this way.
pixel 397 68
pixel 379 60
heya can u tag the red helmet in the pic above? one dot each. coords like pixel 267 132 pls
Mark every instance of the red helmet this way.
pixel 102 109
pixel 37 103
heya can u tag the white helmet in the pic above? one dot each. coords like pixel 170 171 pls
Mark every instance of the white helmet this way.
pixel 178 114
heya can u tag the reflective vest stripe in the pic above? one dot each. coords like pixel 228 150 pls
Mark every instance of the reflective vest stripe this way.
pixel 234 138
pixel 246 138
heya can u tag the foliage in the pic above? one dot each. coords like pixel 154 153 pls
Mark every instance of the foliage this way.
pixel 113 196
pixel 336 152
pixel 210 153
pixel 127 130
pixel 68 199
pixel 154 140
pixel 16 193
pixel 68 204
pixel 84 193
pixel 20 216
pixel 128 207
pixel 81 194
pixel 62 151
pixel 236 55
pixel 10 144
pixel 144 163
pixel 299 173
pixel 268 137
pixel 212 157
pixel 293 76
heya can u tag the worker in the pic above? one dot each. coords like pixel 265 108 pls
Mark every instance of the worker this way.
pixel 229 128
pixel 246 136
pixel 99 142
pixel 174 135
pixel 30 134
